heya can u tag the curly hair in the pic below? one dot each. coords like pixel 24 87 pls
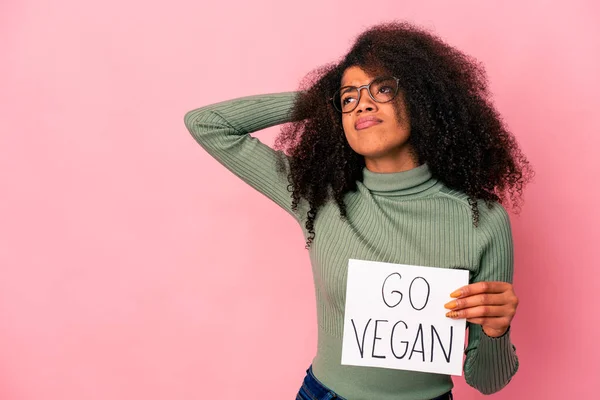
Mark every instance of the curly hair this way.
pixel 455 128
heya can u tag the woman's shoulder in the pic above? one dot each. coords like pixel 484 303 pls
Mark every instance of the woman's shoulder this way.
pixel 493 215
pixel 490 213
pixel 455 196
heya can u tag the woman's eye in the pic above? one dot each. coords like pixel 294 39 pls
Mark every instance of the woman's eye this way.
pixel 347 100
pixel 385 89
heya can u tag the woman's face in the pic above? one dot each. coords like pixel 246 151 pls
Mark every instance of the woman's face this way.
pixel 377 131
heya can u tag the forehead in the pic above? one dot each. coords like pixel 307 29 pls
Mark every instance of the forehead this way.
pixel 355 76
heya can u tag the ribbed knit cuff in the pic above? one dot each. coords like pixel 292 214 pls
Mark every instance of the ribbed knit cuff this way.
pixel 496 363
pixel 495 337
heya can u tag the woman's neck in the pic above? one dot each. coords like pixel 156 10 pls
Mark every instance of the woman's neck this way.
pixel 387 165
pixel 414 182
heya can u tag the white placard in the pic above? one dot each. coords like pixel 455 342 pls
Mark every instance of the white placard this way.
pixel 395 317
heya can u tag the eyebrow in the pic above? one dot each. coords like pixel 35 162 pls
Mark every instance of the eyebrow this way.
pixel 342 87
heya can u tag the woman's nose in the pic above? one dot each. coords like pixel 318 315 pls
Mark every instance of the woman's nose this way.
pixel 365 101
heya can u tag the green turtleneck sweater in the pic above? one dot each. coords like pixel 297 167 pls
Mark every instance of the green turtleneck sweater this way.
pixel 406 217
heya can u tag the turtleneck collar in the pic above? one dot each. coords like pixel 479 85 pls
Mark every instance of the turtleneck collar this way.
pixel 415 181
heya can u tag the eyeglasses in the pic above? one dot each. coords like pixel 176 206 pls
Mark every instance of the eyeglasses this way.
pixel 381 90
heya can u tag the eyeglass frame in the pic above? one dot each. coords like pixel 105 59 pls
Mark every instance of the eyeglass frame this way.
pixel 368 87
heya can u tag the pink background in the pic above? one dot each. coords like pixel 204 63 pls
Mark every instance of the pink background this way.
pixel 134 266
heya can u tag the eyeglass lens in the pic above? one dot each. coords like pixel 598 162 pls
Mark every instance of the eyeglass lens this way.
pixel 382 90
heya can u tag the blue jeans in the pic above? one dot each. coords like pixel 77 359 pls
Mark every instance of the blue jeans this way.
pixel 312 389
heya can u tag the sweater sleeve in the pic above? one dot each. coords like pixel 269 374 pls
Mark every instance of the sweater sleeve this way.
pixel 223 130
pixel 492 362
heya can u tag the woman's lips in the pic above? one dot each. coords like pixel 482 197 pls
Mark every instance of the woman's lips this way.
pixel 366 122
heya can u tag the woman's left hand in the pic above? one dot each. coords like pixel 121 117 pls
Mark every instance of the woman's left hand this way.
pixel 489 304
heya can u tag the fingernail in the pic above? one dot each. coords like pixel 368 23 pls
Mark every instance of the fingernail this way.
pixel 450 305
pixel 452 314
pixel 456 293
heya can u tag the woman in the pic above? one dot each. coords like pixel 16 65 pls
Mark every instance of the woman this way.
pixel 401 140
